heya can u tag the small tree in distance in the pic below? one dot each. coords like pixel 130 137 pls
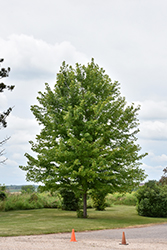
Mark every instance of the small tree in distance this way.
pixel 88 135
pixel 163 179
pixel 28 188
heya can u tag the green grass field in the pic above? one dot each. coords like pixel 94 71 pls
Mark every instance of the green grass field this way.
pixel 46 221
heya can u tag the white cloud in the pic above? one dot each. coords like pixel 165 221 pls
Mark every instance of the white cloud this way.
pixel 153 172
pixel 153 119
pixel 16 156
pixel 22 124
pixel 154 130
pixel 161 158
pixel 21 131
pixel 11 174
pixel 3 101
pixel 32 58
pixel 151 109
pixel 157 158
pixel 33 62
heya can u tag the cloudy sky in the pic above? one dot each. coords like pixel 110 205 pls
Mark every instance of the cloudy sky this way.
pixel 128 38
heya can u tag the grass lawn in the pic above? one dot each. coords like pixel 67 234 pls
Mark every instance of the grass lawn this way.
pixel 45 221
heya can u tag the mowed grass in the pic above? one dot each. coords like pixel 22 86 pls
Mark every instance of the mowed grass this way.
pixel 46 221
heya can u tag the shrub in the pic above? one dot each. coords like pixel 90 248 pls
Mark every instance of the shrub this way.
pixel 130 199
pixel 98 198
pixel 29 201
pixel 2 196
pixel 121 199
pixel 33 197
pixel 2 206
pixel 51 200
pixel 152 200
pixel 80 213
pixel 70 202
pixel 3 187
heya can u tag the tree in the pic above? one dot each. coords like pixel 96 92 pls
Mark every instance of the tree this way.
pixel 88 135
pixel 28 188
pixel 163 180
pixel 3 124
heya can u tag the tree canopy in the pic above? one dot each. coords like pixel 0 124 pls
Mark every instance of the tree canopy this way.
pixel 88 134
pixel 3 115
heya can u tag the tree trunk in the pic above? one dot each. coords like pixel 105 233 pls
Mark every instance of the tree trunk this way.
pixel 85 205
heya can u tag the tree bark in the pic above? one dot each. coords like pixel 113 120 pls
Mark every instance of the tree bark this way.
pixel 85 205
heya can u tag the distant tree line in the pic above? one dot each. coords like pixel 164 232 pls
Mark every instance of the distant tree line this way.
pixel 17 188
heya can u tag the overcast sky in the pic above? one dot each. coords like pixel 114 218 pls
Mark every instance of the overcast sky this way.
pixel 128 38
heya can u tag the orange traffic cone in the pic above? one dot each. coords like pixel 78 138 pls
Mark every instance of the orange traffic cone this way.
pixel 73 236
pixel 123 240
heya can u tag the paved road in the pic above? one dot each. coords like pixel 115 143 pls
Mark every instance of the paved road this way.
pixel 152 237
pixel 148 232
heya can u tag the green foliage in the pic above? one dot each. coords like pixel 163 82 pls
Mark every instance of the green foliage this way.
pixel 34 197
pixel 28 188
pixel 98 197
pixel 2 196
pixel 51 200
pixel 88 135
pixel 90 202
pixel 80 213
pixel 40 189
pixel 121 199
pixel 152 200
pixel 21 202
pixel 2 187
pixel 70 201
pixel 29 201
